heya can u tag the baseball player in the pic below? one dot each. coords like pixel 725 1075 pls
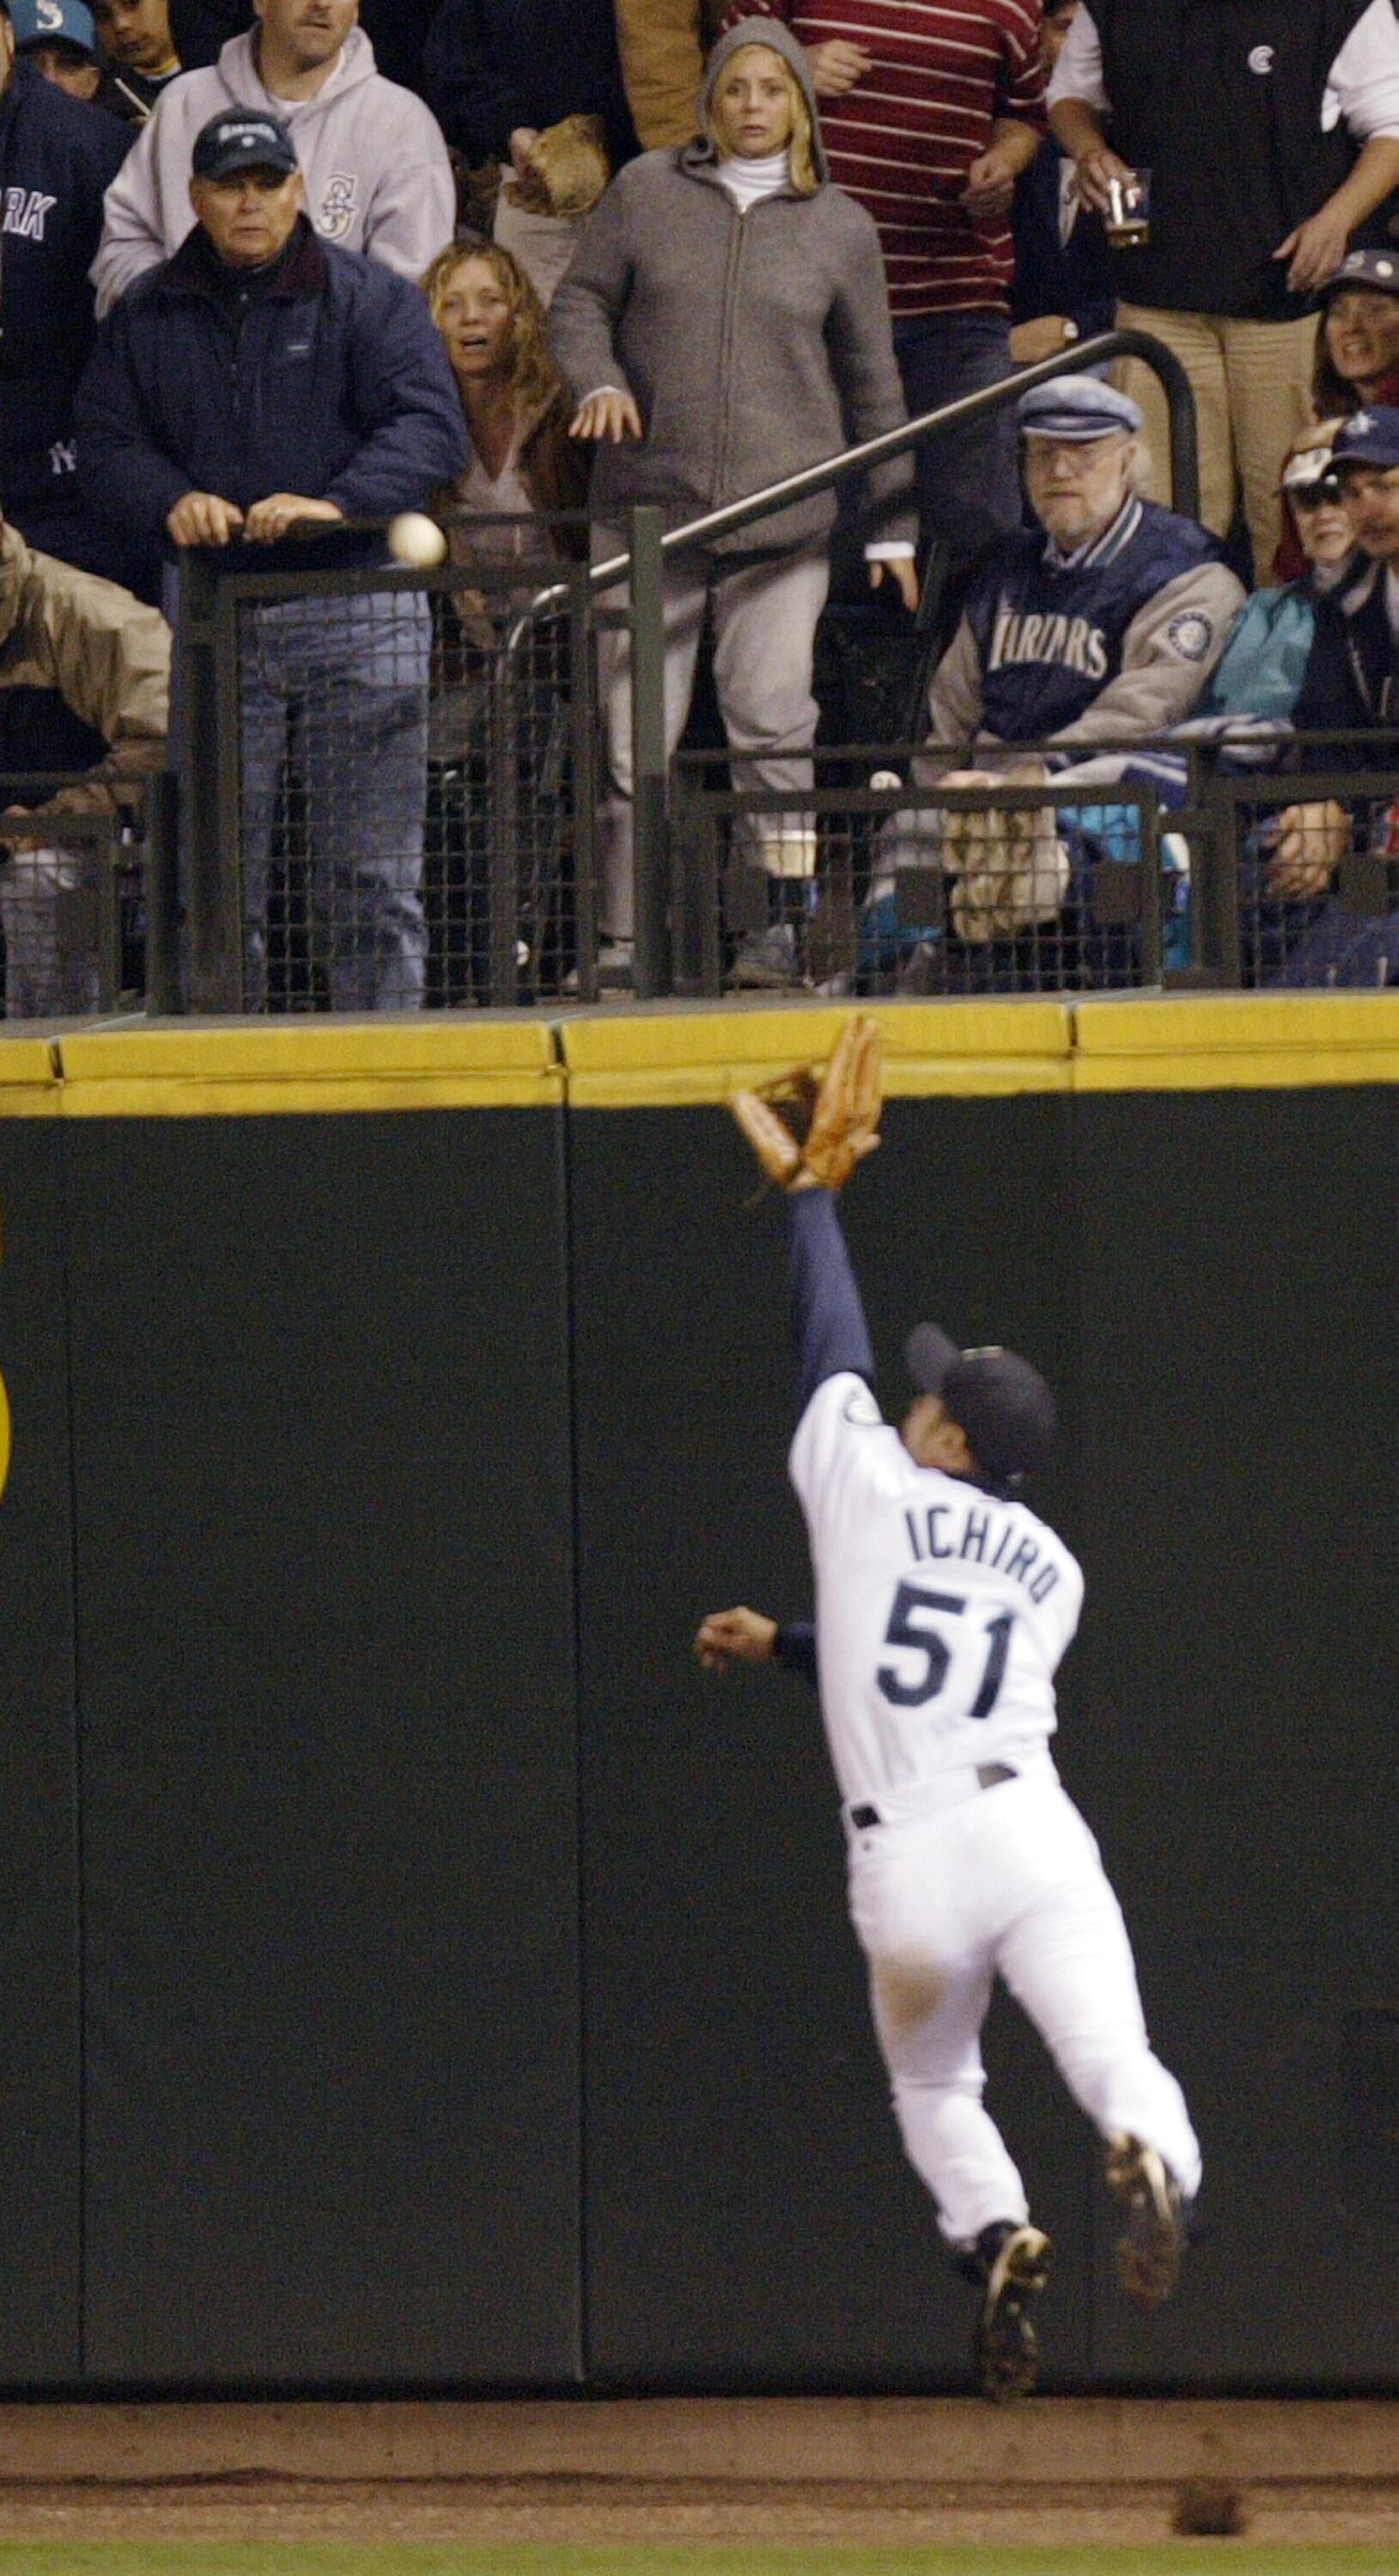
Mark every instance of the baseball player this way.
pixel 943 1607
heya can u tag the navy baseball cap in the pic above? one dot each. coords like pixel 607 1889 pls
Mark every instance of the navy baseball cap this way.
pixel 1001 1403
pixel 53 22
pixel 1077 407
pixel 1369 437
pixel 1375 268
pixel 242 138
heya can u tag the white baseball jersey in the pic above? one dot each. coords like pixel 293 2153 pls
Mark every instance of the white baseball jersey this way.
pixel 942 1613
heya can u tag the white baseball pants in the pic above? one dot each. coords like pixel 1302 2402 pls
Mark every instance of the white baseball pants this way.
pixel 1007 1878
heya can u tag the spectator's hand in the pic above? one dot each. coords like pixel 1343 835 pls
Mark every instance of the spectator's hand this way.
pixel 1045 337
pixel 32 838
pixel 1311 842
pixel 606 415
pixel 729 1637
pixel 272 517
pixel 990 187
pixel 837 65
pixel 1315 249
pixel 903 573
pixel 520 142
pixel 202 519
pixel 1094 170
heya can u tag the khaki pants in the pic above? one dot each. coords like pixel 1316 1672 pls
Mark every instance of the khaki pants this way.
pixel 764 614
pixel 1252 383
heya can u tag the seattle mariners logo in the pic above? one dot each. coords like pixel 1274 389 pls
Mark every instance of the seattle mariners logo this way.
pixel 337 212
pixel 1191 634
pixel 1261 60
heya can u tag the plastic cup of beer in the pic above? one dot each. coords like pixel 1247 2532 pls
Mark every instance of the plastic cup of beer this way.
pixel 1127 221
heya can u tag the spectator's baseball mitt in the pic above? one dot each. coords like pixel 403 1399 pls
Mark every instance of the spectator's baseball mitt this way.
pixel 568 169
pixel 1010 869
pixel 822 1129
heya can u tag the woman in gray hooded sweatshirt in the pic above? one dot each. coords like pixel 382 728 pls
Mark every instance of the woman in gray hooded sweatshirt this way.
pixel 725 322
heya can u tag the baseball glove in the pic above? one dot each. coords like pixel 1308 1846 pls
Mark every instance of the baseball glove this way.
pixel 568 169
pixel 818 1128
pixel 1010 870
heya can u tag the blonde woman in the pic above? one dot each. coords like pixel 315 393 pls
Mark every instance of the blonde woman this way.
pixel 521 457
pixel 521 465
pixel 725 323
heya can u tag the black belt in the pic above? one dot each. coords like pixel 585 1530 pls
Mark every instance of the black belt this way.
pixel 989 1775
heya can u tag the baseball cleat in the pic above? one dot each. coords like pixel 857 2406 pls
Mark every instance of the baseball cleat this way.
pixel 1014 2264
pixel 1149 2251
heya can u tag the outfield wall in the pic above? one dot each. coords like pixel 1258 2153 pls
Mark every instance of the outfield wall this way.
pixel 420 1974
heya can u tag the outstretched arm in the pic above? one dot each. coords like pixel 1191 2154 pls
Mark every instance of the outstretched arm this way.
pixel 828 1318
pixel 840 1126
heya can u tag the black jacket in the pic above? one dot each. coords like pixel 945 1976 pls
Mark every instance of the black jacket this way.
pixel 328 378
pixel 57 156
pixel 1221 100
pixel 490 65
pixel 1352 673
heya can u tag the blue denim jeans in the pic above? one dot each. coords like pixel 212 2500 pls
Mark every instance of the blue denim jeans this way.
pixel 333 703
pixel 356 672
pixel 968 483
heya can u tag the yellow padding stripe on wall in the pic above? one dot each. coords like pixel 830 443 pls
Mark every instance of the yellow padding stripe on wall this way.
pixel 316 1065
pixel 30 1083
pixel 1236 1041
pixel 687 1055
pixel 693 1058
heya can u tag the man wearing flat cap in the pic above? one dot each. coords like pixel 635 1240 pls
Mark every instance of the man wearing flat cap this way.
pixel 1101 626
pixel 1105 622
pixel 259 381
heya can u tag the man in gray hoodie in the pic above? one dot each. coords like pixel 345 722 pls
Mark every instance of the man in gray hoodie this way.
pixel 724 323
pixel 372 156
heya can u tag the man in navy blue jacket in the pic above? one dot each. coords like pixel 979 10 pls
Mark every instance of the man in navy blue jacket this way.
pixel 57 157
pixel 259 381
pixel 1351 682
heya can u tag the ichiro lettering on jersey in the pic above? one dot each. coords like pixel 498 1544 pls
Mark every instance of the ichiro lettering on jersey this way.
pixel 1050 629
pixel 941 1613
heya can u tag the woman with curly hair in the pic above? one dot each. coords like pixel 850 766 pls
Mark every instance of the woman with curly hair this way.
pixel 522 460
pixel 521 466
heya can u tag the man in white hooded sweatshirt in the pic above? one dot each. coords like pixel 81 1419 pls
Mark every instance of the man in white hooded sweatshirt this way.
pixel 372 156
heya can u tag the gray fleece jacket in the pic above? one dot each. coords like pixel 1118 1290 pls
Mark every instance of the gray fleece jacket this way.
pixel 753 343
pixel 377 175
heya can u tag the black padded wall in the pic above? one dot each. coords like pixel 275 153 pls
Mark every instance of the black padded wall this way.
pixel 40 2116
pixel 324 1564
pixel 1234 1728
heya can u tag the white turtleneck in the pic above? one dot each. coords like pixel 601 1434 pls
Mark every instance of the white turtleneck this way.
pixel 748 181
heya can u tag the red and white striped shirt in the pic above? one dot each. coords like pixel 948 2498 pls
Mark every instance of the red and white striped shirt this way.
pixel 903 139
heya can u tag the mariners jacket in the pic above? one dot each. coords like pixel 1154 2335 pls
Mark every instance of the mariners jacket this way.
pixel 490 65
pixel 326 376
pixel 1111 643
pixel 373 159
pixel 56 157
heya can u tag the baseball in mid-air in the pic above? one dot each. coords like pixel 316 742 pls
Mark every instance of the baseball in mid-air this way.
pixel 416 539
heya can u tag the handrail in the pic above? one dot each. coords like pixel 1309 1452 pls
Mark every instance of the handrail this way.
pixel 824 477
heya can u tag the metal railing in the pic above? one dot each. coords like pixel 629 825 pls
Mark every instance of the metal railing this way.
pixel 642 567
pixel 86 900
pixel 387 807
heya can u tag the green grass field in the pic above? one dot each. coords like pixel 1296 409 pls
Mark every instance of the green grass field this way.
pixel 251 2558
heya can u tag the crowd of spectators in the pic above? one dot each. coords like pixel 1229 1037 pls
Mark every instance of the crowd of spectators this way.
pixel 328 260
